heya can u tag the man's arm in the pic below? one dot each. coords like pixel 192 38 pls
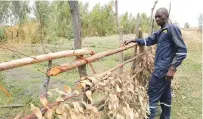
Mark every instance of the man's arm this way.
pixel 181 51
pixel 151 40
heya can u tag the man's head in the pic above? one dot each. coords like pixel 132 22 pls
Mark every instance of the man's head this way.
pixel 161 16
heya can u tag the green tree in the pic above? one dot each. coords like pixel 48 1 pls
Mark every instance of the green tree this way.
pixel 144 22
pixel 14 12
pixel 186 26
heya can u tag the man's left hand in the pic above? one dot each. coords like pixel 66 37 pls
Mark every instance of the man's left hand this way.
pixel 170 73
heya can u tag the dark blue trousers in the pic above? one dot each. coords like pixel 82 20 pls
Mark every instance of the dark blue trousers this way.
pixel 159 90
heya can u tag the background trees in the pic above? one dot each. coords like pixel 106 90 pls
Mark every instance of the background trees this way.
pixel 52 20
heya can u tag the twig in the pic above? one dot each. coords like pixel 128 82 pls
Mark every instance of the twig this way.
pixel 12 106
pixel 152 10
pixel 16 52
pixel 169 10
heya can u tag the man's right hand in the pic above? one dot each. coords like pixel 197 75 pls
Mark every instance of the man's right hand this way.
pixel 126 42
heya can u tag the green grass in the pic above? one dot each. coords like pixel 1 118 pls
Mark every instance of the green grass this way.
pixel 188 101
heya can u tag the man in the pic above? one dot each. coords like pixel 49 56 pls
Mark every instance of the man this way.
pixel 170 53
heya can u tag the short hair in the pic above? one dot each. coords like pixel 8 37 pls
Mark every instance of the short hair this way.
pixel 164 10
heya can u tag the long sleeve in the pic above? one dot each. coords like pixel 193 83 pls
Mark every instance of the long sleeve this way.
pixel 151 40
pixel 181 50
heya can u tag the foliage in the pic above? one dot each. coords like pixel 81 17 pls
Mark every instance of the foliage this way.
pixel 53 19
pixel 186 26
pixel 2 34
pixel 13 11
pixel 200 20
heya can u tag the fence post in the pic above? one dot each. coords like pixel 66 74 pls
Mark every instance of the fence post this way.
pixel 137 35
pixel 74 9
pixel 120 32
pixel 151 25
pixel 151 22
pixel 46 80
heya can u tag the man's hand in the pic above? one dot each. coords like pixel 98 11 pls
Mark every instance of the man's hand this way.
pixel 170 73
pixel 126 42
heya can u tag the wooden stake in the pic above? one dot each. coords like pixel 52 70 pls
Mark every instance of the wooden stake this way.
pixel 138 35
pixel 74 8
pixel 120 32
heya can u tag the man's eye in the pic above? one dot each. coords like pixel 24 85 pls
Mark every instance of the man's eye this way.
pixel 157 16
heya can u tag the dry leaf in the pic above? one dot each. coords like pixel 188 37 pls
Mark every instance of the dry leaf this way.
pixel 78 107
pixel 87 82
pixel 118 89
pixel 131 113
pixel 44 101
pixel 76 92
pixel 60 117
pixel 67 89
pixel 89 95
pixel 65 116
pixel 59 91
pixel 54 71
pixel 95 110
pixel 50 94
pixel 72 114
pixel 60 109
pixel 83 85
pixel 36 111
pixel 5 91
pixel 59 99
pixel 49 114
pixel 66 106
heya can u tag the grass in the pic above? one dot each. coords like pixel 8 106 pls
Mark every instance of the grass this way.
pixel 24 83
pixel 187 103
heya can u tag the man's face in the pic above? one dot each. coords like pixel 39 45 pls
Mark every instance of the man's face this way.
pixel 160 18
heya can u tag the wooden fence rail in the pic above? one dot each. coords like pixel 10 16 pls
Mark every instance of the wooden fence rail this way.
pixel 79 62
pixel 46 57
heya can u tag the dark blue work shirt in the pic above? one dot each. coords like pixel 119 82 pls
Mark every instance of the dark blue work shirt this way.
pixel 171 49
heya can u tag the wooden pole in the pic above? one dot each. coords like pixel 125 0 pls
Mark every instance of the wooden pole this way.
pixel 138 35
pixel 120 32
pixel 151 23
pixel 36 59
pixel 46 80
pixel 68 66
pixel 74 9
pixel 169 13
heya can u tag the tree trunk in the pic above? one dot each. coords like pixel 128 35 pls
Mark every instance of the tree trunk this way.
pixel 74 9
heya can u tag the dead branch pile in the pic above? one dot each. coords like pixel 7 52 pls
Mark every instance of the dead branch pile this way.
pixel 109 95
